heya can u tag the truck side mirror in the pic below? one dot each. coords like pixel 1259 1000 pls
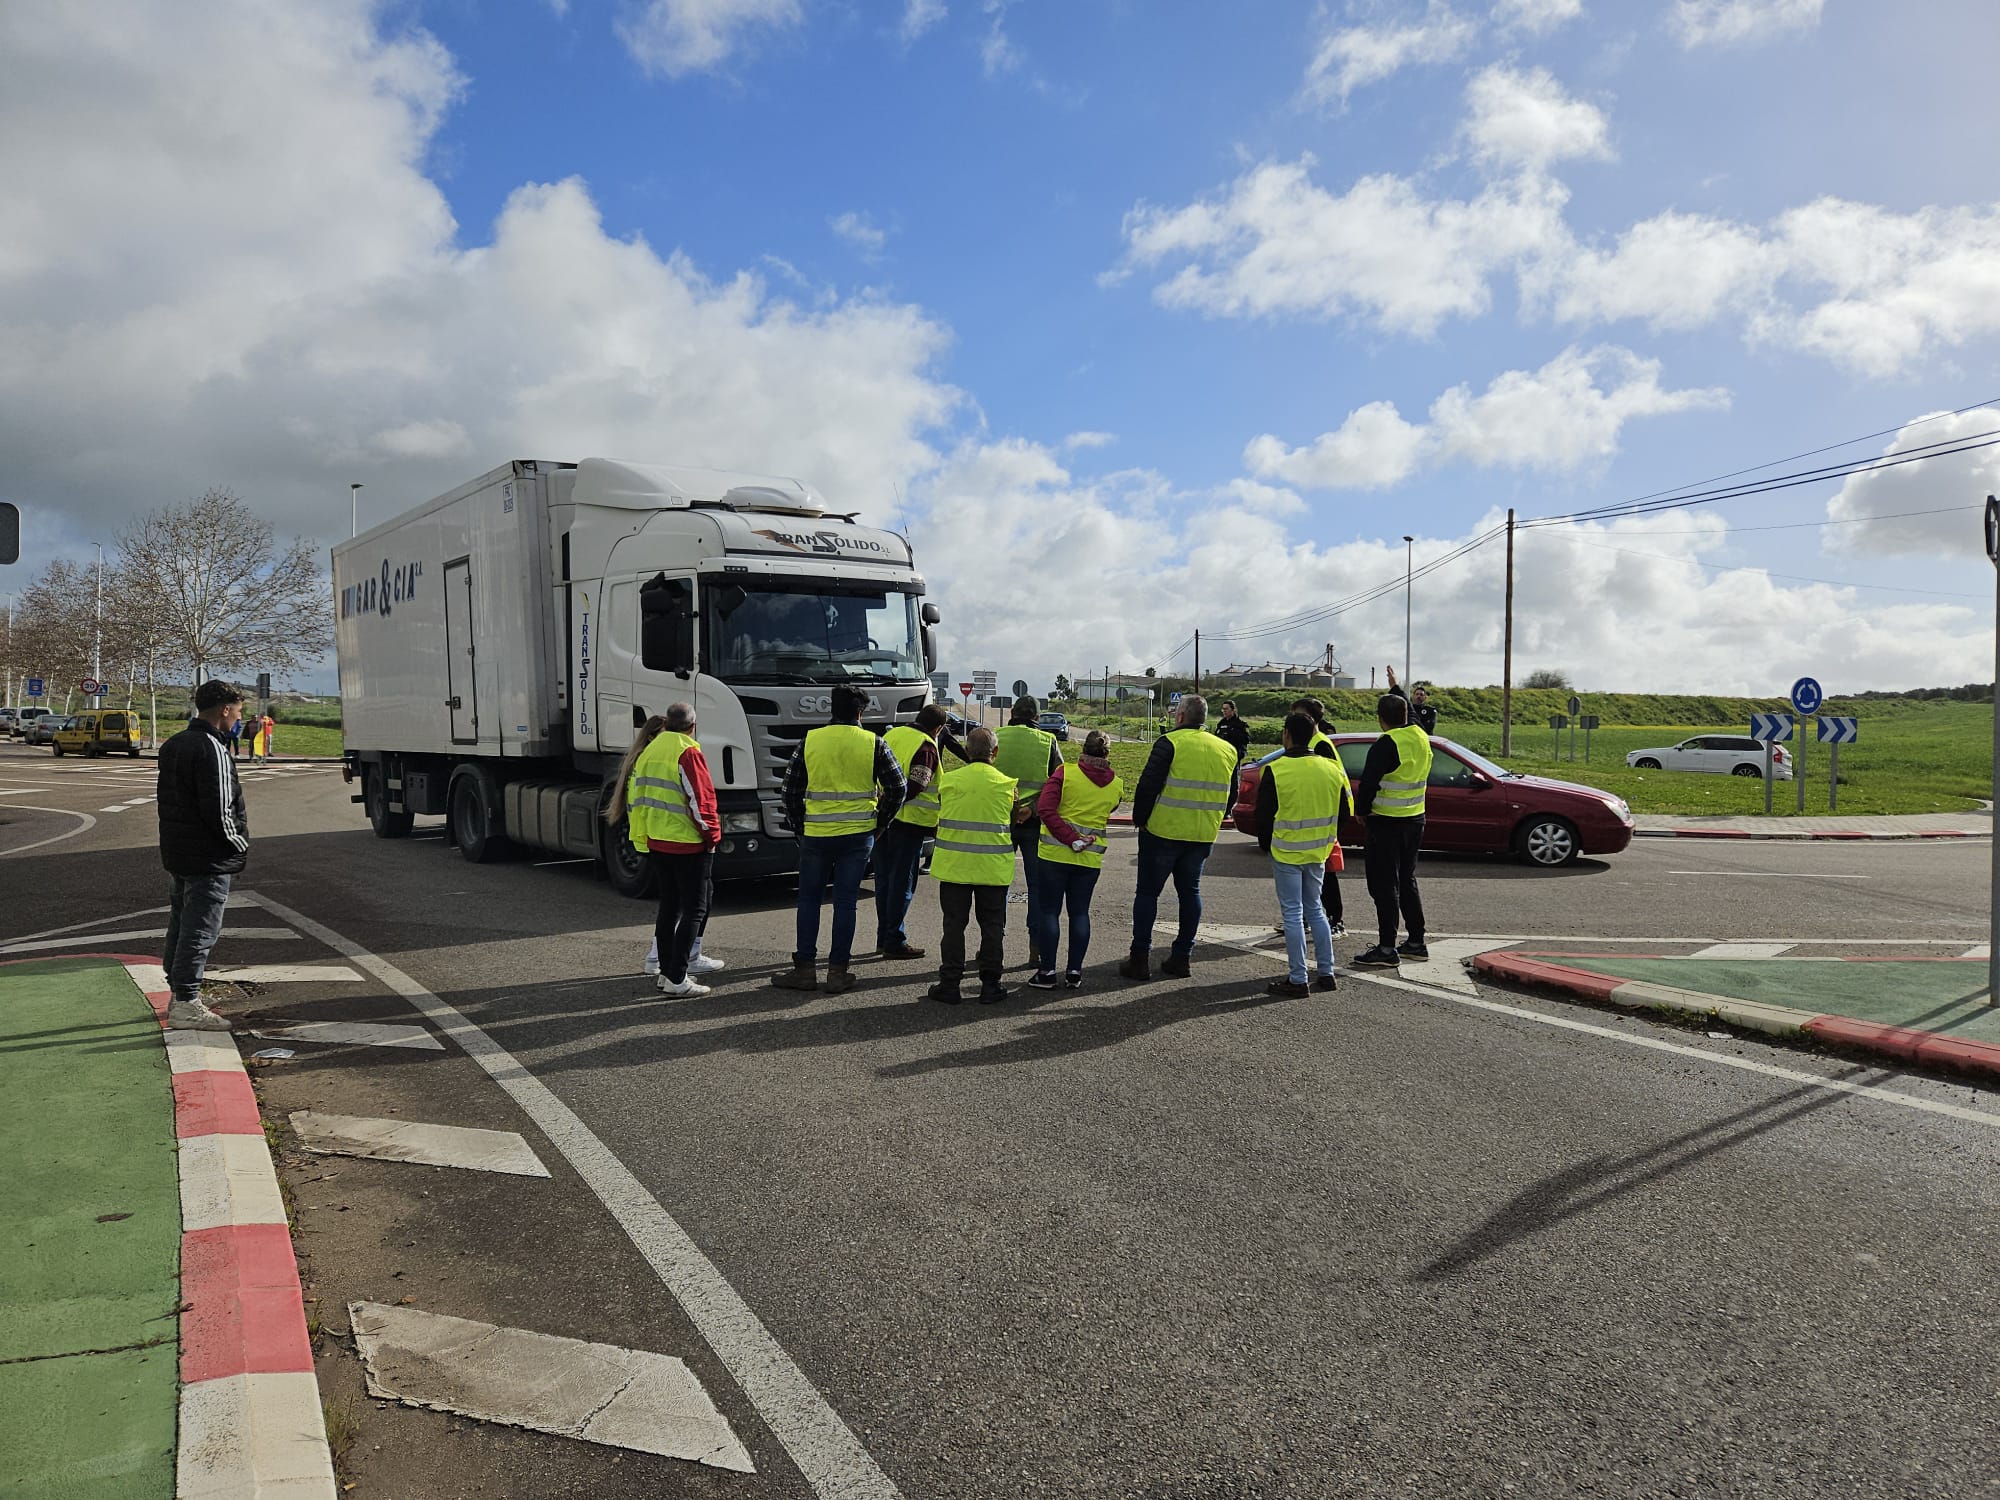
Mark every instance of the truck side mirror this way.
pixel 666 625
pixel 930 614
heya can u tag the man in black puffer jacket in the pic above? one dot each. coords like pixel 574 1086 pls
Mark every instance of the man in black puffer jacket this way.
pixel 204 839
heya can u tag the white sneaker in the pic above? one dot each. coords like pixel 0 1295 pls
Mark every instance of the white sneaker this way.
pixel 687 989
pixel 1339 929
pixel 651 965
pixel 702 963
pixel 194 1015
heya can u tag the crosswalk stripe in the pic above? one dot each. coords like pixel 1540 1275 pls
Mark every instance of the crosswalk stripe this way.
pixel 1743 950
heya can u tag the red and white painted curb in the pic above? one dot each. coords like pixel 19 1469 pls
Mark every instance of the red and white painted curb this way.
pixel 251 1427
pixel 1806 835
pixel 1898 1042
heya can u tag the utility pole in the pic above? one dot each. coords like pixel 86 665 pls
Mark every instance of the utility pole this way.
pixel 1993 931
pixel 1197 658
pixel 354 509
pixel 97 636
pixel 10 651
pixel 1408 556
pixel 1507 652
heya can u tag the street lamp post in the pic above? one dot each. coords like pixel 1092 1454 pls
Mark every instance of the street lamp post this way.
pixel 97 634
pixel 354 509
pixel 1993 929
pixel 1408 558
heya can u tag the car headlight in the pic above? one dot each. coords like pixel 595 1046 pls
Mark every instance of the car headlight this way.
pixel 1621 808
pixel 742 822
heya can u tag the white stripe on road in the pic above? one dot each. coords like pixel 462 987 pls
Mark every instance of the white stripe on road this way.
pixel 1742 950
pixel 599 1393
pixel 1592 937
pixel 1748 1065
pixel 1771 874
pixel 829 1456
pixel 285 973
pixel 22 945
pixel 235 902
pixel 410 1140
pixel 1977 950
pixel 85 819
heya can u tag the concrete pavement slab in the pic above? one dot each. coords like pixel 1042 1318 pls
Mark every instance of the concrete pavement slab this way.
pixel 427 1145
pixel 354 1034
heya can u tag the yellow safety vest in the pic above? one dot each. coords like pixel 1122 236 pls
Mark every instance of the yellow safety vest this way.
pixel 840 781
pixel 655 801
pixel 920 808
pixel 1201 783
pixel 1402 793
pixel 975 839
pixel 1087 808
pixel 1024 755
pixel 1308 818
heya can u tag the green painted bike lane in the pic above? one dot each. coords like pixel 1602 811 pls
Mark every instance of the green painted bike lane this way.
pixel 90 1239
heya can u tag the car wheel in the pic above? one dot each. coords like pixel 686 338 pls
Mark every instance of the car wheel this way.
pixel 1548 842
pixel 1757 771
pixel 387 825
pixel 57 748
pixel 1645 763
pixel 472 823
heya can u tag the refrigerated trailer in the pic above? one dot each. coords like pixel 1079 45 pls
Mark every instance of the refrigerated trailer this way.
pixel 499 645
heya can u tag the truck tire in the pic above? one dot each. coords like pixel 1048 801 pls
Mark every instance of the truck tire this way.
pixel 629 872
pixel 475 819
pixel 387 825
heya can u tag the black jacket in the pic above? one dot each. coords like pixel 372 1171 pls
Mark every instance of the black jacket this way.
pixel 204 827
pixel 1235 731
pixel 1423 715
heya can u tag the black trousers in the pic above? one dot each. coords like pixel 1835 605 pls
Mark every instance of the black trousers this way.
pixel 1392 876
pixel 986 903
pixel 1329 898
pixel 685 880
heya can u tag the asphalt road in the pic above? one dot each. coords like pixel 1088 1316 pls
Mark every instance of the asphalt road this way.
pixel 1166 1240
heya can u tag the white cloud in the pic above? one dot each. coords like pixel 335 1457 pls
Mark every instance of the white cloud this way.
pixel 1674 271
pixel 1700 23
pixel 1274 242
pixel 206 314
pixel 1080 440
pixel 997 51
pixel 677 37
pixel 1536 15
pixel 1557 419
pixel 861 233
pixel 1353 56
pixel 920 16
pixel 1525 119
pixel 1962 480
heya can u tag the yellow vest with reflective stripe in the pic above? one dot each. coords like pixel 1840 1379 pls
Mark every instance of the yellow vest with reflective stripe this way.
pixel 1024 755
pixel 1087 808
pixel 1201 783
pixel 1402 793
pixel 1308 817
pixel 975 838
pixel 920 808
pixel 656 802
pixel 840 781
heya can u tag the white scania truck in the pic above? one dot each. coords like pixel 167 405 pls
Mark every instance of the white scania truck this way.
pixel 499 645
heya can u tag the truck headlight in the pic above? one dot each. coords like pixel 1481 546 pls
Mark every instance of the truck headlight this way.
pixel 742 822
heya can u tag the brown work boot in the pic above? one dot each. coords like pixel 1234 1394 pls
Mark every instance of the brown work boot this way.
pixel 838 980
pixel 903 950
pixel 799 977
pixel 1136 966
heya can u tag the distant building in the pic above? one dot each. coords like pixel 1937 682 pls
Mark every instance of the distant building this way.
pixel 1276 674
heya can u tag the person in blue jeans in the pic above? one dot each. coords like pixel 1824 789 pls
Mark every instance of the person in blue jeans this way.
pixel 204 842
pixel 1299 804
pixel 1073 819
pixel 832 802
pixel 1184 792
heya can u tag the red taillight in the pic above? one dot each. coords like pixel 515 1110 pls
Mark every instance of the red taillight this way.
pixel 1778 754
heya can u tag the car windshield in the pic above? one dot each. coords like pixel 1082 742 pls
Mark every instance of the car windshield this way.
pixel 810 630
pixel 1479 762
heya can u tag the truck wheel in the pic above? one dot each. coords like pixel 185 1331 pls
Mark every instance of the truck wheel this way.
pixel 628 870
pixel 1548 841
pixel 473 824
pixel 387 825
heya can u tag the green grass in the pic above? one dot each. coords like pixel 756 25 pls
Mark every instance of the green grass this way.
pixel 305 739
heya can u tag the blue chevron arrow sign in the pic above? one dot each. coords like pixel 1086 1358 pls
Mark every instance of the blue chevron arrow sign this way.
pixel 1770 726
pixel 1838 731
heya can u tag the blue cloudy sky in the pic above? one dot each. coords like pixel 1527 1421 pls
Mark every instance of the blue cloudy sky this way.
pixel 1138 317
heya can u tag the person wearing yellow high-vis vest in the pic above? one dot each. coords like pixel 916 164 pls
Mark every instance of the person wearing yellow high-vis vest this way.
pixel 1299 802
pixel 831 801
pixel 1029 754
pixel 1183 795
pixel 972 860
pixel 1073 819
pixel 899 849
pixel 667 798
pixel 1390 795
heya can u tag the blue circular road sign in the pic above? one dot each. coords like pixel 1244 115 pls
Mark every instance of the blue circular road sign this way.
pixel 1806 695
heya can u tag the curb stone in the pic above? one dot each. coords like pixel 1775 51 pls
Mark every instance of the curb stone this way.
pixel 1806 836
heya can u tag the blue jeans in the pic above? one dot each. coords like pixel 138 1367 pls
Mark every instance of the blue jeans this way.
pixel 1299 903
pixel 1064 885
pixel 897 854
pixel 194 922
pixel 841 859
pixel 1158 859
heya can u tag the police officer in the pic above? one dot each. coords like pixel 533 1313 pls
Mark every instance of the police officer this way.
pixel 1029 754
pixel 1390 795
pixel 1184 792
pixel 973 863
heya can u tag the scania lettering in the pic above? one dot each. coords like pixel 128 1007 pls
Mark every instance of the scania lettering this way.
pixel 499 646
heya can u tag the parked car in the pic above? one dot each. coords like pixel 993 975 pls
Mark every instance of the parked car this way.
pixel 1718 754
pixel 23 718
pixel 98 733
pixel 42 729
pixel 1474 806
pixel 1055 724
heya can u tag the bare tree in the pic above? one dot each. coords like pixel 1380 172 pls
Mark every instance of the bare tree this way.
pixel 207 587
pixel 55 625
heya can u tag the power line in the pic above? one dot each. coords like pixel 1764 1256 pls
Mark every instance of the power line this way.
pixel 1894 515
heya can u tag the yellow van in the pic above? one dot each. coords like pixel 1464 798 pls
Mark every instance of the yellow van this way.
pixel 99 733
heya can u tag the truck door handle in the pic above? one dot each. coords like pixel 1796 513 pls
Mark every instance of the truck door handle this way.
pixel 453 702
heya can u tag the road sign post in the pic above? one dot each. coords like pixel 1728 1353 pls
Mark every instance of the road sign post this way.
pixel 35 687
pixel 1806 699
pixel 1590 722
pixel 1993 929
pixel 1770 728
pixel 1836 731
pixel 1558 722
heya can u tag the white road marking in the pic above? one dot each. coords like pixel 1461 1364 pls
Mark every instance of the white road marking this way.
pixel 826 1451
pixel 543 864
pixel 1592 937
pixel 236 902
pixel 1977 950
pixel 1447 969
pixel 1748 1065
pixel 285 973
pixel 354 1034
pixel 1742 950
pixel 1772 874
pixel 623 1398
pixel 85 819
pixel 227 1179
pixel 21 945
pixel 411 1140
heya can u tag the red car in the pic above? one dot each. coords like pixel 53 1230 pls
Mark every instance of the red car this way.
pixel 1474 806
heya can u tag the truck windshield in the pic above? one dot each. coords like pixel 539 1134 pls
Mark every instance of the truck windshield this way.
pixel 810 630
